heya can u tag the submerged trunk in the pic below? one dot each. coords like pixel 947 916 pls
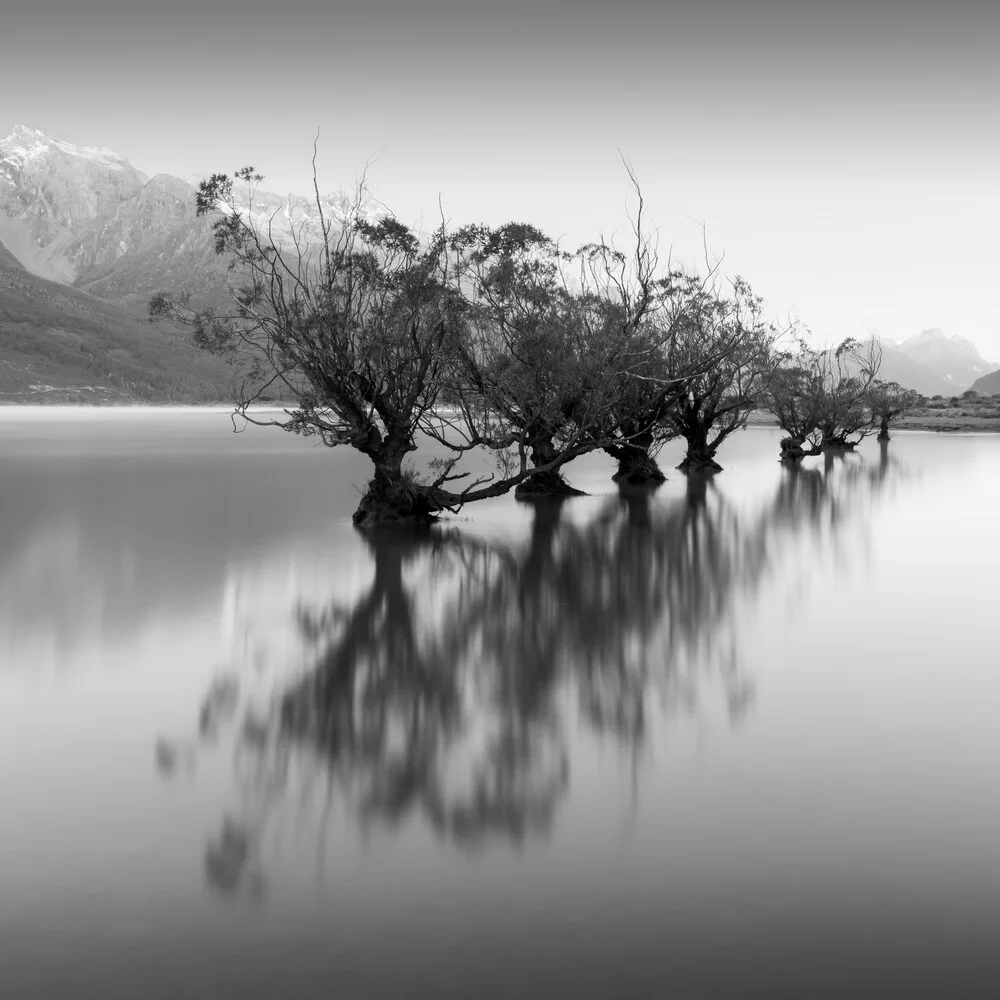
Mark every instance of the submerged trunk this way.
pixel 793 449
pixel 546 484
pixel 393 496
pixel 636 467
pixel 550 483
pixel 883 432
pixel 700 457
pixel 838 442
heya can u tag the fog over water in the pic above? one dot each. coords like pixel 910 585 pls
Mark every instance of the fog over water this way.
pixel 735 738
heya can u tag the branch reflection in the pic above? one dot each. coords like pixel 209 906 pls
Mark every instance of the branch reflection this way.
pixel 454 688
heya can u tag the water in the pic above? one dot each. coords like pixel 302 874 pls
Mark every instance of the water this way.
pixel 729 742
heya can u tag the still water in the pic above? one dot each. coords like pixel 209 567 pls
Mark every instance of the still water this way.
pixel 737 739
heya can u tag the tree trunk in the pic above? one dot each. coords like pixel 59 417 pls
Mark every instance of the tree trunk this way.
pixel 883 433
pixel 700 457
pixel 394 496
pixel 793 450
pixel 636 467
pixel 837 442
pixel 550 483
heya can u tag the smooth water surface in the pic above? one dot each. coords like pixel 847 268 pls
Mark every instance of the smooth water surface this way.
pixel 737 739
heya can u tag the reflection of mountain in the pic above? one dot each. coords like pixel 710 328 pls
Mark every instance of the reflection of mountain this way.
pixel 452 689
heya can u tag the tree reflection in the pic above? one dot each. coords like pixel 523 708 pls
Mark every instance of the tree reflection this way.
pixel 446 691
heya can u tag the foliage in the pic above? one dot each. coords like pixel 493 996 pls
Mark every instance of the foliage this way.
pixel 494 338
pixel 887 402
pixel 726 351
pixel 821 397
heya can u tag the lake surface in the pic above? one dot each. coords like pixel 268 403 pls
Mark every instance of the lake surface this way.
pixel 737 739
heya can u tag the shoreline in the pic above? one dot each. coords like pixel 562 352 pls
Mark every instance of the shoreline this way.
pixel 957 424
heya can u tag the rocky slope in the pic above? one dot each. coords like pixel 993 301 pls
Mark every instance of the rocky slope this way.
pixel 55 198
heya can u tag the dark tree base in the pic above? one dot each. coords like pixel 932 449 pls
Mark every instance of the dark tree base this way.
pixel 793 450
pixel 703 465
pixel 638 470
pixel 403 503
pixel 546 484
pixel 883 436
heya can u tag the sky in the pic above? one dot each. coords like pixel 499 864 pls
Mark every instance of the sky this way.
pixel 843 157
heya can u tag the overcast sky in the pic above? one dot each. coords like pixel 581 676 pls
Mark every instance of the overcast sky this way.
pixel 844 157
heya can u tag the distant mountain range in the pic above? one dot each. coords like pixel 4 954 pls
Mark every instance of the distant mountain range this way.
pixel 86 239
pixel 933 363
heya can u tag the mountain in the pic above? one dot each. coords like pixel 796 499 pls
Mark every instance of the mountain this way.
pixel 899 367
pixel 953 359
pixel 59 344
pixel 85 240
pixel 8 261
pixel 988 385
pixel 83 215
pixel 932 363
pixel 52 194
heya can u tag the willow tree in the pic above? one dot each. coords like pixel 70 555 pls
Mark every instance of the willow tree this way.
pixel 566 346
pixel 359 322
pixel 533 359
pixel 724 351
pixel 888 401
pixel 628 399
pixel 822 397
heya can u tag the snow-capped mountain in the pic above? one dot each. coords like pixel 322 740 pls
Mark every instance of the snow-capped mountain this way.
pixel 52 193
pixel 83 215
pixel 85 240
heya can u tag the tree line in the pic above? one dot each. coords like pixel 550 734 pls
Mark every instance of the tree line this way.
pixel 495 338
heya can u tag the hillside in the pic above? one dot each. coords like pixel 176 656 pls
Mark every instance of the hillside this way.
pixel 988 385
pixel 59 344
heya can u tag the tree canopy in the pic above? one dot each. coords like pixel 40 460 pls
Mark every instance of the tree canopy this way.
pixel 494 338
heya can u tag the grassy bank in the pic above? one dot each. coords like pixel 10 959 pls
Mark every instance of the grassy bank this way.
pixel 955 415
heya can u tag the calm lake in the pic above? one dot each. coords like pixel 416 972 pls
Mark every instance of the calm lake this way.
pixel 736 739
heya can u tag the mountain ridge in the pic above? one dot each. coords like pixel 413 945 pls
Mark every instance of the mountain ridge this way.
pixel 987 385
pixel 956 359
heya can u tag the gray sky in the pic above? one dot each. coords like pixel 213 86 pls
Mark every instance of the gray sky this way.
pixel 842 156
